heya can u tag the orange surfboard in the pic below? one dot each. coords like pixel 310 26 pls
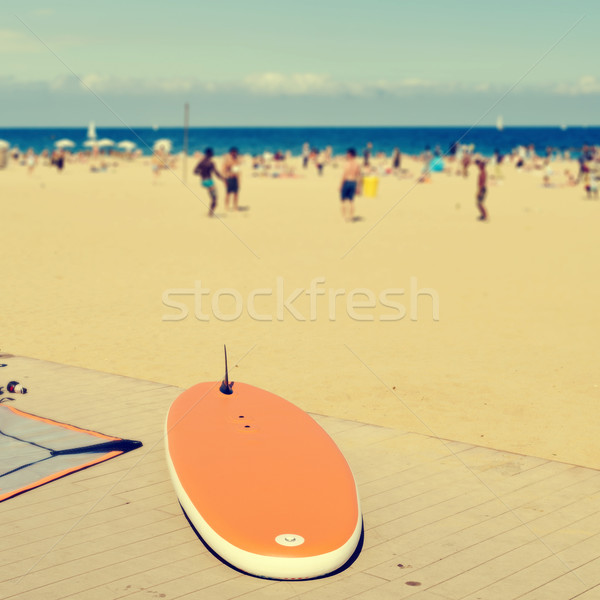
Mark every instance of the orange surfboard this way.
pixel 263 484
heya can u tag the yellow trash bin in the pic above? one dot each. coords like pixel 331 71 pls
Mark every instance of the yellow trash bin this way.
pixel 370 184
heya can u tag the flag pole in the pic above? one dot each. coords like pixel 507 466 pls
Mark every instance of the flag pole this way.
pixel 186 125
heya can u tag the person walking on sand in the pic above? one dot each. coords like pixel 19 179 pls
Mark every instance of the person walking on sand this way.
pixel 58 159
pixel 481 189
pixel 350 178
pixel 466 161
pixel 231 172
pixel 30 160
pixel 397 161
pixel 367 154
pixel 321 160
pixel 205 168
pixel 157 164
pixel 305 154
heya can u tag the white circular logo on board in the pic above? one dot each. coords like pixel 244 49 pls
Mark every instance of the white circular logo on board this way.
pixel 289 539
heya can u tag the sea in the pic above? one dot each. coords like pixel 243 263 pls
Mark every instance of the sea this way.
pixel 256 140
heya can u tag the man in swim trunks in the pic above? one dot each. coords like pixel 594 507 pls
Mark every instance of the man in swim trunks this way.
pixel 231 172
pixel 350 179
pixel 205 168
pixel 481 189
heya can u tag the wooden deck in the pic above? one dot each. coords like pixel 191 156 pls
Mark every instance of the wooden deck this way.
pixel 442 519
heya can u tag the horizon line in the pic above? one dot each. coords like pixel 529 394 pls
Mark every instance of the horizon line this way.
pixel 552 125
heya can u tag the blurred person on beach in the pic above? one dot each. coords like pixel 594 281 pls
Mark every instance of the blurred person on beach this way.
pixel 367 154
pixel 547 178
pixel 45 156
pixel 206 168
pixel 157 163
pixel 582 167
pixel 590 184
pixel 426 157
pixel 30 161
pixel 498 158
pixel 349 184
pixel 436 164
pixel 593 186
pixel 257 164
pixel 570 180
pixel 481 189
pixel 459 158
pixel 466 161
pixel 321 159
pixel 58 159
pixel 396 161
pixel 305 154
pixel 231 172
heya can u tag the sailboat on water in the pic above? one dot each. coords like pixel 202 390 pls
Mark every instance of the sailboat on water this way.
pixel 91 132
pixel 499 123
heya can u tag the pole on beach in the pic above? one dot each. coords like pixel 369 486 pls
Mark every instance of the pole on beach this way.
pixel 186 124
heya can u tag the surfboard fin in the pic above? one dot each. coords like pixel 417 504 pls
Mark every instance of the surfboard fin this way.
pixel 225 385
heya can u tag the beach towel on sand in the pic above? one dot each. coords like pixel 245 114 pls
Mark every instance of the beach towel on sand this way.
pixel 35 450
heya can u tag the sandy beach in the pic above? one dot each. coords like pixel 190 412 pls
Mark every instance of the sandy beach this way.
pixel 89 259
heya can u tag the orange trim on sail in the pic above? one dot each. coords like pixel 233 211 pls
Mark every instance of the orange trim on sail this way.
pixel 65 425
pixel 62 473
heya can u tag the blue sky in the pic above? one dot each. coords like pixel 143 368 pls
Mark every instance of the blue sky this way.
pixel 328 62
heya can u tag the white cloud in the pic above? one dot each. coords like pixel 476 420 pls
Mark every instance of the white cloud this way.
pixel 42 12
pixel 305 84
pixel 15 43
pixel 260 84
pixel 588 84
pixel 415 82
pixel 106 84
pixel 61 83
pixel 298 84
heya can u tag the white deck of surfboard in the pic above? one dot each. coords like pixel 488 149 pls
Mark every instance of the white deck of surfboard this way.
pixel 442 519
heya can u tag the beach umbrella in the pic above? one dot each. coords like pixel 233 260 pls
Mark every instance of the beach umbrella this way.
pixel 126 145
pixel 64 143
pixel 105 142
pixel 4 144
pixel 163 144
